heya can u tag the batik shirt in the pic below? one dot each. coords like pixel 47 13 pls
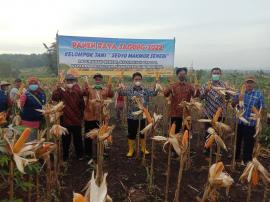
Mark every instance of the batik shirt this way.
pixel 252 98
pixel 213 99
pixel 142 92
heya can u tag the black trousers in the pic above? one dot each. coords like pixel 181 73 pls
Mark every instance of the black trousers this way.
pixel 245 135
pixel 133 126
pixel 76 132
pixel 178 123
pixel 89 125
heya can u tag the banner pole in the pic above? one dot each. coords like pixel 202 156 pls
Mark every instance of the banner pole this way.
pixel 57 53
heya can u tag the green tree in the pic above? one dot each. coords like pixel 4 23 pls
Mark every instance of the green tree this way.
pixel 52 57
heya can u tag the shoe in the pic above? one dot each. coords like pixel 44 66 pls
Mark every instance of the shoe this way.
pixel 143 147
pixel 131 145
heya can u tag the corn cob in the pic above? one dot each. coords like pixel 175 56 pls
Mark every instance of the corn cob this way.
pixel 42 150
pixel 78 198
pixel 185 138
pixel 209 141
pixel 172 129
pixel 217 114
pixel 147 115
pixel 20 142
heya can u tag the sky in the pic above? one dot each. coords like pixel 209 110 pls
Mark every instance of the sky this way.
pixel 208 33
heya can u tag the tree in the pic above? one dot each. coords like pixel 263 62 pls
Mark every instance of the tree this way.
pixel 52 57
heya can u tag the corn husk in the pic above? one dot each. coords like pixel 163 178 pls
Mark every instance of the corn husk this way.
pixel 58 130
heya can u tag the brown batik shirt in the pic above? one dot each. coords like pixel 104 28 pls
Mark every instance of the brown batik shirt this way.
pixel 179 91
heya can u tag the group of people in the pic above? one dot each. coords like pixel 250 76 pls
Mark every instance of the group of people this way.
pixel 82 110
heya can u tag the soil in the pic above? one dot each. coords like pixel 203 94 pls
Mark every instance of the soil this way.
pixel 127 177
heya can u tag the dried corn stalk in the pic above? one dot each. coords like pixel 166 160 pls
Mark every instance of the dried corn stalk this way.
pixel 216 179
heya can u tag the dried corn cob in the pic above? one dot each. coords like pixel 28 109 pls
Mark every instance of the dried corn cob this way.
pixel 20 142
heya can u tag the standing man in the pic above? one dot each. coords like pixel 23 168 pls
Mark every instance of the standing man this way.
pixel 212 99
pixel 246 131
pixel 179 91
pixel 72 117
pixel 93 107
pixel 137 89
pixel 34 98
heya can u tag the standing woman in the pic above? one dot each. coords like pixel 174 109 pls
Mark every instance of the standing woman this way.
pixel 137 89
pixel 92 112
pixel 34 98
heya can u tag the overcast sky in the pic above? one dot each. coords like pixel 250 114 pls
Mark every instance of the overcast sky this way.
pixel 225 33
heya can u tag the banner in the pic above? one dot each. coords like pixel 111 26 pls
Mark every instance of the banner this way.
pixel 109 54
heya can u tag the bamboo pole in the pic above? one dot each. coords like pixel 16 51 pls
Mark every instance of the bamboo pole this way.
pixel 168 172
pixel 152 165
pixel 206 192
pixel 180 174
pixel 29 195
pixel 265 193
pixel 49 177
pixel 138 140
pixel 234 144
pixel 11 180
pixel 210 157
pixel 100 152
pixel 249 193
pixel 37 188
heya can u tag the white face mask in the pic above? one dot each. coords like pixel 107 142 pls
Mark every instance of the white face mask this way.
pixel 70 85
pixel 137 83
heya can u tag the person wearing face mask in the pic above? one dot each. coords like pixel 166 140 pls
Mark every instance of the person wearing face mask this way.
pixel 72 97
pixel 246 131
pixel 92 112
pixel 179 91
pixel 212 99
pixel 137 89
pixel 34 98
pixel 5 102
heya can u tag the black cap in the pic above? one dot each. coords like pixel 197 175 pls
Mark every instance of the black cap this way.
pixel 70 77
pixel 178 69
pixel 18 80
pixel 97 75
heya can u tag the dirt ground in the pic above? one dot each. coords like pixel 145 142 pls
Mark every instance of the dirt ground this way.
pixel 127 177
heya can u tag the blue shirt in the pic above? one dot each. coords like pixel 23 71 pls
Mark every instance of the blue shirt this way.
pixel 253 98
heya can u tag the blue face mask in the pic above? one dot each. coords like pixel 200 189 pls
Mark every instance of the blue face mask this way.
pixel 215 77
pixel 33 87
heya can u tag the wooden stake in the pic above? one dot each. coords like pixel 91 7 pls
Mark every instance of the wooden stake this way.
pixel 168 172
